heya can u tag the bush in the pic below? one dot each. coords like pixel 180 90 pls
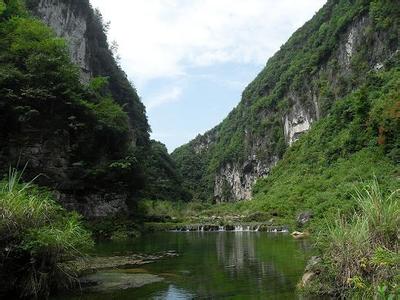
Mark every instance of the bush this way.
pixel 37 238
pixel 361 255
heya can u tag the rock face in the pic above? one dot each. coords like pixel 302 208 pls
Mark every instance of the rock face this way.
pixel 254 136
pixel 234 181
pixel 297 121
pixel 95 204
pixel 71 24
pixel 51 156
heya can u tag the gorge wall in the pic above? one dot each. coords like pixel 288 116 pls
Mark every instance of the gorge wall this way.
pixel 322 62
pixel 81 151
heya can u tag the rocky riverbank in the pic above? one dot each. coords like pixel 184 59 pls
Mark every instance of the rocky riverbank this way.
pixel 99 273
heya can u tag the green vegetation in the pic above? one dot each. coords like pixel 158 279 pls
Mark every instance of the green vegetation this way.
pixel 361 254
pixel 99 136
pixel 164 182
pixel 306 68
pixel 172 211
pixel 113 228
pixel 192 165
pixel 37 238
pixel 358 140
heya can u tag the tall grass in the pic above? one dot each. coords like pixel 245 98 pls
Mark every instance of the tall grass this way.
pixel 37 237
pixel 361 254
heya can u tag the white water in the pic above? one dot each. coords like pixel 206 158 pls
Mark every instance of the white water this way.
pixel 235 228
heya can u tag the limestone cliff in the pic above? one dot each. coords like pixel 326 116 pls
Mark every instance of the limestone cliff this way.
pixel 70 23
pixel 323 61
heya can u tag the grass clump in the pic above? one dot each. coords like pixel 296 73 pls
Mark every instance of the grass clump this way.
pixel 37 238
pixel 360 255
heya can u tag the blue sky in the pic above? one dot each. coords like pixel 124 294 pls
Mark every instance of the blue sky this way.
pixel 191 59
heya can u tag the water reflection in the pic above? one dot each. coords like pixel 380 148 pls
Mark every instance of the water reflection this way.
pixel 242 259
pixel 215 265
pixel 174 293
pixel 235 253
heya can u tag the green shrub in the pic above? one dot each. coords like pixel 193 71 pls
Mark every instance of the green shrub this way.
pixel 361 254
pixel 110 115
pixel 37 238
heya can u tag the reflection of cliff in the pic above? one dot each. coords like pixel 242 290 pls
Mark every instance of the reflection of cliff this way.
pixel 252 258
pixel 235 253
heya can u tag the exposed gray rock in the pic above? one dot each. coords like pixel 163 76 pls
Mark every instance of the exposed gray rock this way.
pixel 297 122
pixel 235 181
pixel 313 264
pixel 71 25
pixel 306 279
pixel 100 204
pixel 50 157
pixel 91 264
pixel 304 217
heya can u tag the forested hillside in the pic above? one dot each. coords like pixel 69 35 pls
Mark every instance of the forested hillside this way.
pixel 327 103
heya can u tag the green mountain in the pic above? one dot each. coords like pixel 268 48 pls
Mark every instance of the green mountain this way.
pixel 322 115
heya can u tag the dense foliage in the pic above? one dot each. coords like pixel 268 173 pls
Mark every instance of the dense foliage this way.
pixel 357 140
pixel 192 165
pixel 37 237
pixel 163 180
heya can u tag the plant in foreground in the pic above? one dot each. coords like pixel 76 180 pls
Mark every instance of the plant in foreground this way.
pixel 37 238
pixel 361 255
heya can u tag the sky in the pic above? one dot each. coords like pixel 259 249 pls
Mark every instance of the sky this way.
pixel 191 59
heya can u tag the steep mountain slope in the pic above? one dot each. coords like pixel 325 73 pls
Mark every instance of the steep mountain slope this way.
pixel 328 59
pixel 84 31
pixel 83 129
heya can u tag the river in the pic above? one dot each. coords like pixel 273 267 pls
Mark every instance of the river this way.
pixel 212 265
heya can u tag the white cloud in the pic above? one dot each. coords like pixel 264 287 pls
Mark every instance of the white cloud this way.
pixel 161 38
pixel 164 97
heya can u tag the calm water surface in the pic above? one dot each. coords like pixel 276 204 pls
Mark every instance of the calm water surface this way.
pixel 214 265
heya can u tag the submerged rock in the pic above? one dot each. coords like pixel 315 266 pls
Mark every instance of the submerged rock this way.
pixel 91 264
pixel 105 281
